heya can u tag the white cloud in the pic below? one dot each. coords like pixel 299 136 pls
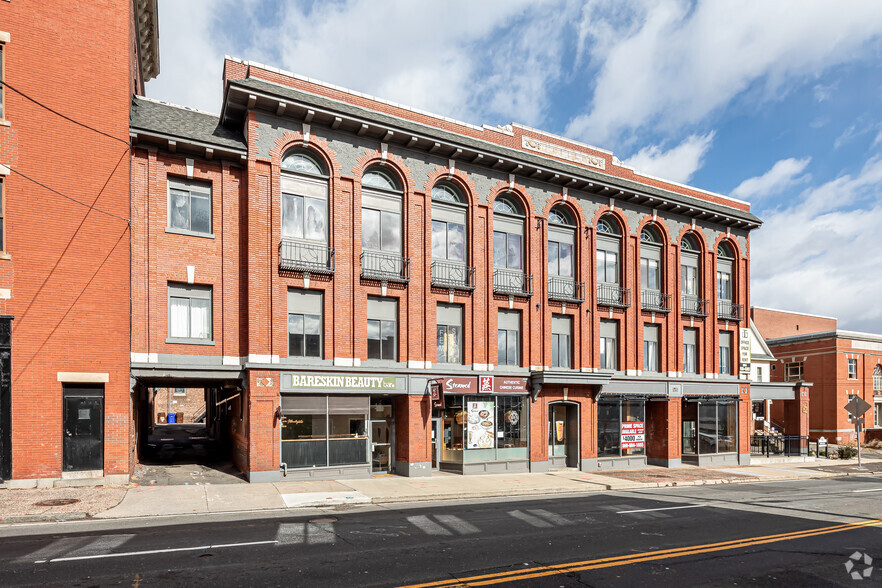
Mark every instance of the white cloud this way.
pixel 824 93
pixel 781 176
pixel 678 163
pixel 494 59
pixel 685 61
pixel 820 254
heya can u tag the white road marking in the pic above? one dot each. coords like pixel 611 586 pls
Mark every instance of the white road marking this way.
pixel 78 546
pixel 303 499
pixel 306 534
pixel 427 526
pixel 530 519
pixel 551 517
pixel 663 508
pixel 869 490
pixel 457 524
pixel 154 551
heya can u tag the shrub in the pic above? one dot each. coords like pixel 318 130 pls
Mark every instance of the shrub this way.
pixel 847 451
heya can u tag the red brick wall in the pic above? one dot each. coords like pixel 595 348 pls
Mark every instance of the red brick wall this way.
pixel 191 404
pixel 70 295
pixel 773 323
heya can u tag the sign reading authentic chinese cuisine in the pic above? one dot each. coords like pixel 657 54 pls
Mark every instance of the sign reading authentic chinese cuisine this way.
pixel 633 435
pixel 480 425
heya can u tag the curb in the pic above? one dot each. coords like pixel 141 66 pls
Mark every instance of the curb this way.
pixel 45 518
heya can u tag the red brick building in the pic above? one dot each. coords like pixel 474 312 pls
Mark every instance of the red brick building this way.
pixel 64 234
pixel 324 263
pixel 839 364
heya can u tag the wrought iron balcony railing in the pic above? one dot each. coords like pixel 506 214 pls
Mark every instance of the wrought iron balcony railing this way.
pixel 566 290
pixel 456 276
pixel 655 301
pixel 613 295
pixel 385 267
pixel 512 283
pixel 694 306
pixel 314 258
pixel 726 309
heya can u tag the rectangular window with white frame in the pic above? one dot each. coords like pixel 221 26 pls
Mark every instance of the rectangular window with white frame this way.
pixel 651 360
pixel 726 353
pixel 561 341
pixel 852 369
pixel 690 351
pixel 189 313
pixel 449 331
pixel 609 345
pixel 382 328
pixel 189 207
pixel 305 324
pixel 508 325
pixel 793 371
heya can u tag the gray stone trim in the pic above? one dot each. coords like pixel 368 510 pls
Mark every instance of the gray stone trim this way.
pixel 665 463
pixel 744 459
pixel 413 470
pixel 264 477
pixel 621 463
pixel 588 464
pixel 328 473
pixel 539 467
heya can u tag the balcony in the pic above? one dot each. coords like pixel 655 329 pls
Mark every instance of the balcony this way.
pixel 728 310
pixel 385 267
pixel 309 258
pixel 566 290
pixel 655 301
pixel 694 306
pixel 454 276
pixel 512 283
pixel 613 295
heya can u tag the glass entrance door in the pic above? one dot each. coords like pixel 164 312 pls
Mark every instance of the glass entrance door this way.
pixel 436 443
pixel 381 435
pixel 557 435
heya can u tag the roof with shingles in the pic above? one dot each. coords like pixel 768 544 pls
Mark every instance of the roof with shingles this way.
pixel 183 123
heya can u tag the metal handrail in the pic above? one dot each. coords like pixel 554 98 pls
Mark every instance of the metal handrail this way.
pixel 769 445
pixel 566 290
pixel 385 267
pixel 512 283
pixel 726 309
pixel 298 256
pixel 694 306
pixel 458 276
pixel 655 301
pixel 613 295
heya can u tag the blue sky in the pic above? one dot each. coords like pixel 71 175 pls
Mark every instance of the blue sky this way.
pixel 776 103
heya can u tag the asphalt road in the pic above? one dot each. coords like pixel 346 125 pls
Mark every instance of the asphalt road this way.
pixel 790 534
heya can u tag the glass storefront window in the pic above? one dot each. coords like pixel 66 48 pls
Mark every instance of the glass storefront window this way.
pixel 716 427
pixel 621 428
pixel 320 431
pixel 484 428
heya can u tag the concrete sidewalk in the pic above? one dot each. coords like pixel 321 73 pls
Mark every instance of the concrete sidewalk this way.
pixel 146 501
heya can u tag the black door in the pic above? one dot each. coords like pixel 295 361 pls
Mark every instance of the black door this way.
pixel 5 397
pixel 83 429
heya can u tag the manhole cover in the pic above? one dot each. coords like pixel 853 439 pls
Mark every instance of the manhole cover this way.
pixel 57 502
pixel 324 520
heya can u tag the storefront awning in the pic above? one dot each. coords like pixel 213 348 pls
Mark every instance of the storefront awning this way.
pixel 568 378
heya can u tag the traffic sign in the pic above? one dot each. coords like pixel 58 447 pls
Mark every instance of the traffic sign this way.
pixel 857 406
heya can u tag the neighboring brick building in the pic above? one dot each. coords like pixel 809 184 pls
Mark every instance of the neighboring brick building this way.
pixel 187 404
pixel 320 261
pixel 838 364
pixel 64 265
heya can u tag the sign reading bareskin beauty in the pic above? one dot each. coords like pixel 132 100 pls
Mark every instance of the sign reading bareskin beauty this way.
pixel 320 381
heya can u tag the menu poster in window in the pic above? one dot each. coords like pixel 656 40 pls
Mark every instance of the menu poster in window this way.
pixel 633 435
pixel 481 425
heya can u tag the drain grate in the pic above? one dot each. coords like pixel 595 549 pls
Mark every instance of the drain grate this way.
pixel 57 502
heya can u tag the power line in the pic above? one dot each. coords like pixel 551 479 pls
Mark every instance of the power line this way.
pixel 89 206
pixel 65 117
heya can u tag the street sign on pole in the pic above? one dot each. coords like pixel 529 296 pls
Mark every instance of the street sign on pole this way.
pixel 856 407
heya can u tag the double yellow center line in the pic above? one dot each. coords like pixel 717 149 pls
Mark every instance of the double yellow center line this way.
pixel 608 562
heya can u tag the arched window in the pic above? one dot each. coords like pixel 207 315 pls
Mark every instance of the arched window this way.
pixel 725 268
pixel 651 271
pixel 508 234
pixel 304 190
pixel 381 208
pixel 449 213
pixel 609 270
pixel 561 250
pixel 690 277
